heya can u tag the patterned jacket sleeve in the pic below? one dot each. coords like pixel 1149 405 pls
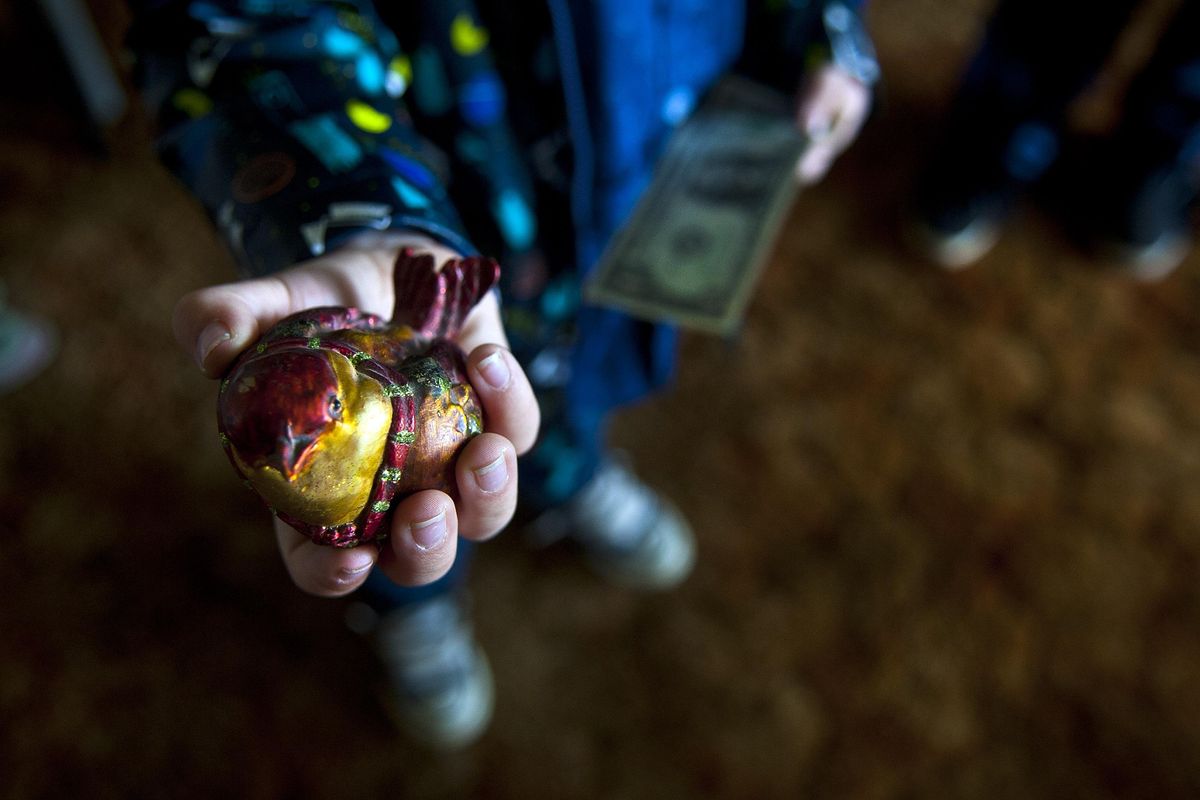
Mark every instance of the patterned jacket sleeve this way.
pixel 287 120
pixel 786 37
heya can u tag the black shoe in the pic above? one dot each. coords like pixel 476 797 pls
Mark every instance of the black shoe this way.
pixel 1150 232
pixel 1123 210
pixel 971 186
pixel 956 232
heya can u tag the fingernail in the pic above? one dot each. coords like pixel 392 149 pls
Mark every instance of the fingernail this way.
pixel 819 129
pixel 495 371
pixel 493 477
pixel 209 339
pixel 429 533
pixel 355 568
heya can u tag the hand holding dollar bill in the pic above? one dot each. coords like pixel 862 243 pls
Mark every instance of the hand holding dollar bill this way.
pixel 694 246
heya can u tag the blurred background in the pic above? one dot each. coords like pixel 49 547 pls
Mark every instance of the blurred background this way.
pixel 948 521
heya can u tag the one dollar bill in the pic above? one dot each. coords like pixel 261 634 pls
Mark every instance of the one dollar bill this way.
pixel 695 244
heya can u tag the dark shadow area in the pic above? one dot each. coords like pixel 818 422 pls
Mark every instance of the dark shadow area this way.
pixel 948 525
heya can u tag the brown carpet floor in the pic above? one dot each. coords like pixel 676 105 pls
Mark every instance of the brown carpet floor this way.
pixel 948 524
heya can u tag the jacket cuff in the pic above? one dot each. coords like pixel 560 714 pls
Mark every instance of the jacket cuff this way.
pixel 850 46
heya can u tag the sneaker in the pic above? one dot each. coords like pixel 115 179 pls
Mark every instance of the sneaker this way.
pixel 441 681
pixel 971 186
pixel 27 345
pixel 1116 202
pixel 954 245
pixel 629 533
pixel 1148 229
pixel 961 205
pixel 1149 261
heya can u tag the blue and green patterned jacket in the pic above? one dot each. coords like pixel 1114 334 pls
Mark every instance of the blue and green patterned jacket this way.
pixel 524 129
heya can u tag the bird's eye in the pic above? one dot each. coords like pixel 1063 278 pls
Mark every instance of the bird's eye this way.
pixel 335 407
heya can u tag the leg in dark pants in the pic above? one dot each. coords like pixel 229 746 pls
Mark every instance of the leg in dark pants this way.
pixel 1005 123
pixel 1139 213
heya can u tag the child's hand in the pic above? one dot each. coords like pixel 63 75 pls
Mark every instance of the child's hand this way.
pixel 833 106
pixel 216 324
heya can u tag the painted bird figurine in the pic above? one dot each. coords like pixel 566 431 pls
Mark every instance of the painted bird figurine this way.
pixel 335 414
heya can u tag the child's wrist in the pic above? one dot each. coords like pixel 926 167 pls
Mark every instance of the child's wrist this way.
pixel 382 247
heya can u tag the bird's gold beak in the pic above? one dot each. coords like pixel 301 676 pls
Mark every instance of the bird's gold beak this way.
pixel 290 457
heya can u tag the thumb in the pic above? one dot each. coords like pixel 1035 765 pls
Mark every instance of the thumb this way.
pixel 214 325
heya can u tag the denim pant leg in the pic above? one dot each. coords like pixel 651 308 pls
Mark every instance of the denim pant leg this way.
pixel 383 595
pixel 568 452
pixel 615 360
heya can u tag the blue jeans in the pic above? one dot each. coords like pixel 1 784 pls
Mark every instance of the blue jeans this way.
pixel 381 594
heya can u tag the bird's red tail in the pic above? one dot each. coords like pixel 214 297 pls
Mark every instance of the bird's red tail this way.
pixel 435 302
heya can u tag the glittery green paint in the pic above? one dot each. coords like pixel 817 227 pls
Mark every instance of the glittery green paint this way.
pixel 300 327
pixel 396 390
pixel 429 373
